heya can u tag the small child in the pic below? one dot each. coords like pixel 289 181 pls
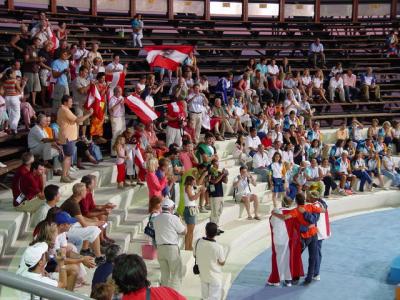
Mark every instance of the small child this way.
pixel 119 148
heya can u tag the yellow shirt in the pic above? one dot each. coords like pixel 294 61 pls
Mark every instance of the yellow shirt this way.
pixel 68 126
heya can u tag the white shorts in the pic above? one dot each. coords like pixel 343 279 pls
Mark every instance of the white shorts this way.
pixel 211 291
pixel 89 233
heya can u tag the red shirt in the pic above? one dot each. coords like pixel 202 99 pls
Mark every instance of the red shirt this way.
pixel 300 218
pixel 21 172
pixel 266 142
pixel 31 185
pixel 87 204
pixel 175 114
pixel 190 132
pixel 156 293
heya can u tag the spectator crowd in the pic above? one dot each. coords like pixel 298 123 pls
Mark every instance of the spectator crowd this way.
pixel 267 110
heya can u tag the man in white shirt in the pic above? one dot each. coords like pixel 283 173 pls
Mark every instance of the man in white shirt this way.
pixel 32 266
pixel 317 50
pixel 272 68
pixel 210 257
pixel 116 108
pixel 41 145
pixel 81 52
pixel 336 86
pixel 195 108
pixel 53 196
pixel 115 65
pixel 252 142
pixel 275 148
pixel 167 228
pixel 80 88
pixel 261 162
pixel 243 192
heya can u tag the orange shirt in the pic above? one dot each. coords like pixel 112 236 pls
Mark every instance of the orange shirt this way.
pixel 68 126
pixel 300 218
pixel 49 132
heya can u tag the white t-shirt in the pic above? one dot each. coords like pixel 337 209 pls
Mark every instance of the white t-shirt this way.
pixel 277 169
pixel 306 80
pixel 112 67
pixel 208 253
pixel 167 227
pixel 261 160
pixel 252 142
pixel 37 277
pixel 61 241
pixel 81 53
pixel 389 163
pixel 40 214
pixel 274 70
pixel 288 156
pixel 317 82
pixel 35 136
pixel 189 202
pixel 243 188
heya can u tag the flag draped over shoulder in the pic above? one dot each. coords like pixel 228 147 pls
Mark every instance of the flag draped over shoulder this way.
pixel 144 112
pixel 286 249
pixel 115 79
pixel 94 101
pixel 167 56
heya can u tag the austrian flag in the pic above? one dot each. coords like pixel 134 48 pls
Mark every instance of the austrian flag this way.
pixel 94 101
pixel 115 79
pixel 167 57
pixel 144 112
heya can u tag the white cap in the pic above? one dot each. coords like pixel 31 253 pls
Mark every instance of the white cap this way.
pixel 167 203
pixel 32 255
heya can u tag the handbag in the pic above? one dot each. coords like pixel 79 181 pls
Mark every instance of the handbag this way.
pixel 196 270
pixel 149 251
pixel 149 230
pixel 21 197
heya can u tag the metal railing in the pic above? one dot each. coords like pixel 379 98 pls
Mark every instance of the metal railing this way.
pixel 37 288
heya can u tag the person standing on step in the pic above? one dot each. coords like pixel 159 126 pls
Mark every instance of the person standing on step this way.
pixel 242 192
pixel 116 109
pixel 210 257
pixel 168 227
pixel 191 210
pixel 216 192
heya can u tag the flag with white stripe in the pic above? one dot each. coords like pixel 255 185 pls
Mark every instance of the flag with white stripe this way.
pixel 167 56
pixel 144 112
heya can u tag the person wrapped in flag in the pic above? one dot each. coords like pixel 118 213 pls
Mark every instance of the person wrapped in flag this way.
pixel 286 247
pixel 98 90
pixel 122 157
pixel 310 236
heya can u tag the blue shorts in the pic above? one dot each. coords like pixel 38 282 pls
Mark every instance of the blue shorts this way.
pixel 189 219
pixel 278 185
pixel 69 148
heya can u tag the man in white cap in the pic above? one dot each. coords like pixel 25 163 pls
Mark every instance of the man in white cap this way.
pixel 33 263
pixel 168 227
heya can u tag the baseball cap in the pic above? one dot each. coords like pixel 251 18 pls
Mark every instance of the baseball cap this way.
pixel 167 203
pixel 32 255
pixel 64 218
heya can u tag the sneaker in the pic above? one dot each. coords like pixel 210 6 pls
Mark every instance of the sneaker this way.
pixel 65 180
pixel 257 218
pixel 317 278
pixel 287 283
pixel 73 169
pixel 273 284
pixel 72 178
pixel 100 260
pixel 343 193
pixel 353 191
pixel 306 283
pixel 249 218
pixel 208 207
pixel 86 252
pixel 203 210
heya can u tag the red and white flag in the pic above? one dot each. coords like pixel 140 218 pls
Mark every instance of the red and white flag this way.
pixel 286 249
pixel 139 162
pixel 94 101
pixel 167 57
pixel 115 79
pixel 144 112
pixel 323 225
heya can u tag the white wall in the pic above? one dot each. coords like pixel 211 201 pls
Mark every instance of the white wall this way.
pixel 189 7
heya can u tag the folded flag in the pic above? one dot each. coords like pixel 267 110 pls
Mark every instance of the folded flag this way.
pixel 144 112
pixel 115 79
pixel 167 57
pixel 53 38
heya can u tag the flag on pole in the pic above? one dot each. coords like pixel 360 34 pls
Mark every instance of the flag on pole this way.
pixel 286 249
pixel 144 112
pixel 167 57
pixel 115 79
pixel 139 162
pixel 94 101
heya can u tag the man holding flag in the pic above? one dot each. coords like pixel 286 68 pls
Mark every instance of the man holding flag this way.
pixel 176 116
pixel 115 75
pixel 117 115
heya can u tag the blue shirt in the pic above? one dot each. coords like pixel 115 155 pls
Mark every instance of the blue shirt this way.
pixel 263 68
pixel 60 65
pixel 102 273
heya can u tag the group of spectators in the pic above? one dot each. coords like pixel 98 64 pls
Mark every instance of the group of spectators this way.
pixel 267 109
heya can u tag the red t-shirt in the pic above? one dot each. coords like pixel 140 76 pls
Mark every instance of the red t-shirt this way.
pixel 300 218
pixel 87 204
pixel 31 185
pixel 175 114
pixel 21 172
pixel 266 142
pixel 156 293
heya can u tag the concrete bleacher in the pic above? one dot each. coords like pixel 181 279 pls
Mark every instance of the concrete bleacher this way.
pixel 129 219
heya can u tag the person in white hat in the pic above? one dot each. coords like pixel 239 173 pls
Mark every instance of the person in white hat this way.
pixel 33 263
pixel 168 227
